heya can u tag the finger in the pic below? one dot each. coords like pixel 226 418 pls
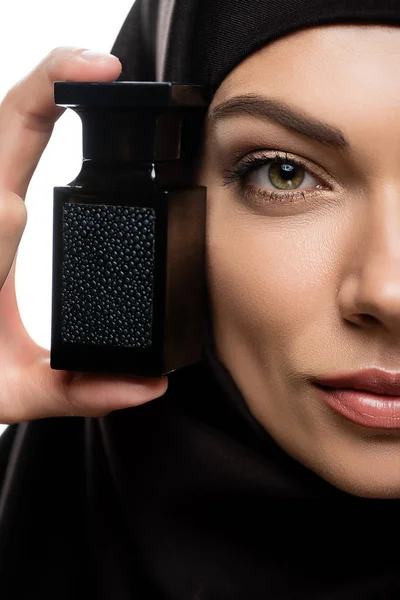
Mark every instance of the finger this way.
pixel 98 394
pixel 37 392
pixel 13 218
pixel 28 112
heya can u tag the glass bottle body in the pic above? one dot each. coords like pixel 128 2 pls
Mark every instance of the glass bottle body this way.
pixel 128 290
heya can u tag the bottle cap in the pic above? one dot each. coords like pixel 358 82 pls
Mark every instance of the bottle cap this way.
pixel 127 121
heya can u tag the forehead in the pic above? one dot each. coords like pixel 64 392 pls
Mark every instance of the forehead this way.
pixel 334 63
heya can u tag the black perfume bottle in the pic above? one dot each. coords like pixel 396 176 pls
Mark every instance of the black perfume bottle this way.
pixel 128 287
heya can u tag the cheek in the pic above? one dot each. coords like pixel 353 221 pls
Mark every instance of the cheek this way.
pixel 268 276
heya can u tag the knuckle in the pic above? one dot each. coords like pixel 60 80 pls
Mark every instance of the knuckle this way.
pixel 70 407
pixel 9 97
pixel 74 403
pixel 60 56
pixel 61 52
pixel 13 213
pixel 77 407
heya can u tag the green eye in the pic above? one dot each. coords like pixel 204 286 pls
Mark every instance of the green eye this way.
pixel 255 175
pixel 286 176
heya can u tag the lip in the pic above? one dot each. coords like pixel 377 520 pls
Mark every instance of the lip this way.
pixel 370 397
pixel 375 381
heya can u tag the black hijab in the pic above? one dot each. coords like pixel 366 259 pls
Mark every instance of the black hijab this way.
pixel 187 497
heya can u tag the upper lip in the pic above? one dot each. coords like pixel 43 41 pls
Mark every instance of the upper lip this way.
pixel 375 380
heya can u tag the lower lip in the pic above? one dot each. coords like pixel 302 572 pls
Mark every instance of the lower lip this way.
pixel 364 408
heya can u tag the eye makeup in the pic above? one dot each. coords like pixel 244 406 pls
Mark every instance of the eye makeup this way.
pixel 279 161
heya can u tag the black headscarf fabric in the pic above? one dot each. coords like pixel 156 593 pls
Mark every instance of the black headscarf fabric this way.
pixel 187 497
pixel 201 41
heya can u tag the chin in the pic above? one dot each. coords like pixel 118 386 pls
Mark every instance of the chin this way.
pixel 367 468
pixel 378 486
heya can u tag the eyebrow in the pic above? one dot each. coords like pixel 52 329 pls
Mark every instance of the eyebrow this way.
pixel 289 116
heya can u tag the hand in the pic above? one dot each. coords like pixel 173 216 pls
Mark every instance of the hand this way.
pixel 29 388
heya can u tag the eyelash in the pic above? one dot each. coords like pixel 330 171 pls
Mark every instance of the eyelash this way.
pixel 250 163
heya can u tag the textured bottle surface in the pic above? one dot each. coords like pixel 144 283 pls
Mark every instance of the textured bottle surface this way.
pixel 108 275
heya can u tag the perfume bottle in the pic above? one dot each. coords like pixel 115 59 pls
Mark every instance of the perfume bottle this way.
pixel 128 280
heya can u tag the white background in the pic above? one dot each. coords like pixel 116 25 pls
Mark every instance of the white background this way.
pixel 29 29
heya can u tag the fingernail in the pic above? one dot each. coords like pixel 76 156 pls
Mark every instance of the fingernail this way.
pixel 96 55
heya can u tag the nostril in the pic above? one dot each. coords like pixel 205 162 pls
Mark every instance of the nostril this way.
pixel 366 319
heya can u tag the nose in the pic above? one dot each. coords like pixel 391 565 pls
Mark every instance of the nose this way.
pixel 369 294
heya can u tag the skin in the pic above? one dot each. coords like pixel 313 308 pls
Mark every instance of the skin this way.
pixel 312 287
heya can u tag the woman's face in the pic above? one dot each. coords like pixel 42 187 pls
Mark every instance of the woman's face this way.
pixel 307 285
